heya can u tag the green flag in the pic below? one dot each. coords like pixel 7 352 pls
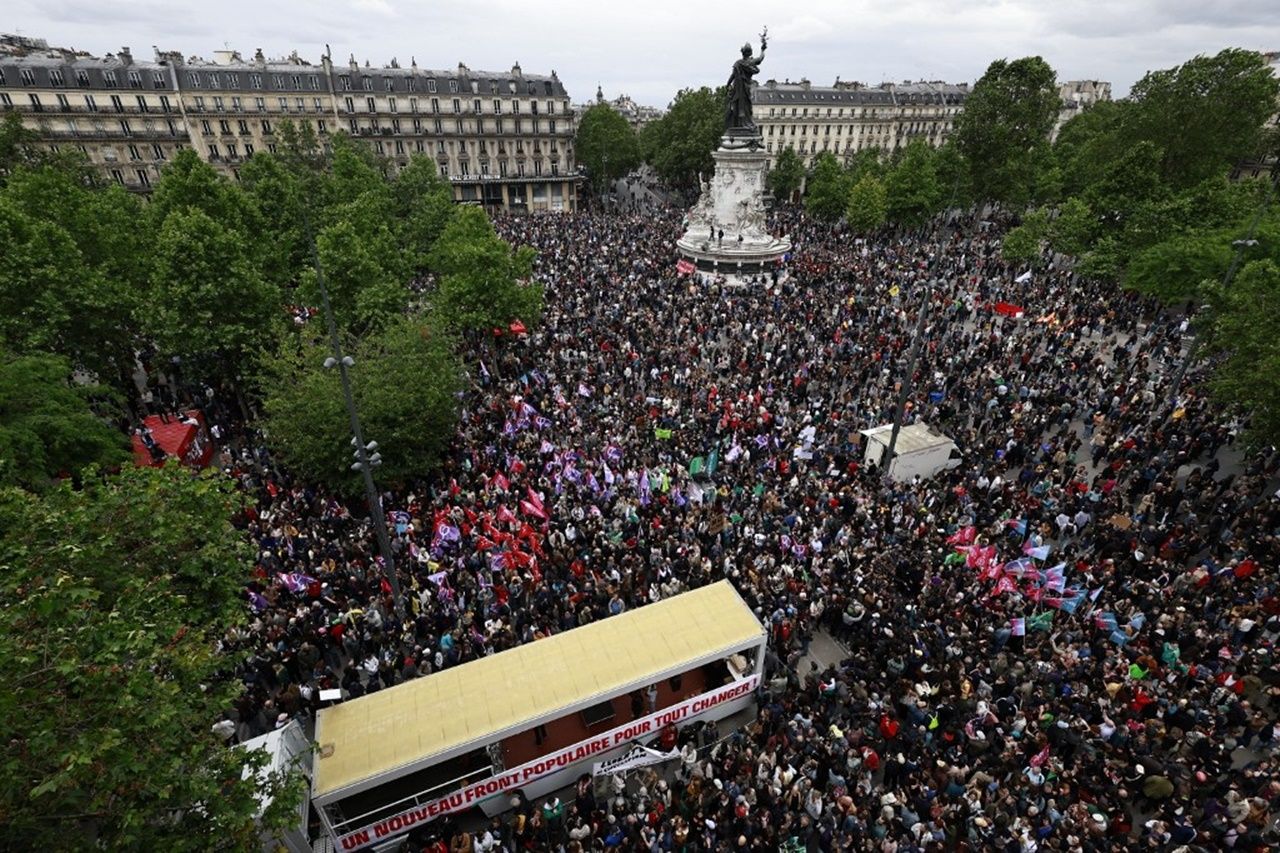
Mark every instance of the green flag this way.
pixel 697 465
pixel 661 433
pixel 1041 621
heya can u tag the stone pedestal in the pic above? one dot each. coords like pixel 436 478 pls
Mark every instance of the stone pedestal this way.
pixel 733 202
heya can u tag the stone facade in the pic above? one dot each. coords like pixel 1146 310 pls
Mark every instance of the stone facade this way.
pixel 1077 96
pixel 848 117
pixel 732 204
pixel 503 139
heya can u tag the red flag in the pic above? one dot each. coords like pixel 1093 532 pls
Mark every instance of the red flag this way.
pixel 517 328
pixel 505 515
pixel 501 482
pixel 1040 757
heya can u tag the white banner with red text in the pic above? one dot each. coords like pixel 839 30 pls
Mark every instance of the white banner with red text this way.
pixel 510 780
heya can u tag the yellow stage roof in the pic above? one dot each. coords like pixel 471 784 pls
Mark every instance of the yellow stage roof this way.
pixel 428 716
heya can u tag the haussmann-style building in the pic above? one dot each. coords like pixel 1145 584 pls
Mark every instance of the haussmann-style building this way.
pixel 502 139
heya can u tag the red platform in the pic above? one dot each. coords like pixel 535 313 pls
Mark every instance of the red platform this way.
pixel 187 443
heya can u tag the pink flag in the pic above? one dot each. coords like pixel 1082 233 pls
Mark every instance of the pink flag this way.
pixel 963 536
pixel 1040 757
pixel 535 500
pixel 1018 627
pixel 501 482
pixel 533 510
pixel 506 515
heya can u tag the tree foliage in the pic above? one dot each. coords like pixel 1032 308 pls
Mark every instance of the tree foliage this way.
pixel 1006 118
pixel 113 599
pixel 72 274
pixel 1206 114
pixel 679 144
pixel 483 282
pixel 210 305
pixel 868 205
pixel 827 194
pixel 51 426
pixel 606 145
pixel 1243 331
pixel 785 178
pixel 1022 245
pixel 404 381
pixel 913 193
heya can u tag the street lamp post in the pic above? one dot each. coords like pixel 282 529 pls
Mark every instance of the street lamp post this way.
pixel 366 454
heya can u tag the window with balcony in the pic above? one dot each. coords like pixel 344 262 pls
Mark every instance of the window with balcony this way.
pixel 64 104
pixel 218 104
pixel 224 127
pixel 199 103
pixel 371 104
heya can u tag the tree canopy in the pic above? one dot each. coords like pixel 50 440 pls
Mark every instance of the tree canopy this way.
pixel 113 599
pixel 606 145
pixel 868 206
pixel 679 145
pixel 404 381
pixel 1006 118
pixel 51 426
pixel 786 176
pixel 483 282
pixel 827 196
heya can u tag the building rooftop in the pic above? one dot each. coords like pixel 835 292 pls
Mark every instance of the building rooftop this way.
pixel 907 92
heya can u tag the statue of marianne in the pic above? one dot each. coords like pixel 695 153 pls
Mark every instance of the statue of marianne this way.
pixel 737 116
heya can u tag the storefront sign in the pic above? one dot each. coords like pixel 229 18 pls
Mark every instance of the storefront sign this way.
pixel 510 780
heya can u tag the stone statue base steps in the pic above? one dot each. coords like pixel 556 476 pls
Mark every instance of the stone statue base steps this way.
pixel 733 203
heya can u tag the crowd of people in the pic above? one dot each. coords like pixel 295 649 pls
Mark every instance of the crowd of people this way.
pixel 1064 643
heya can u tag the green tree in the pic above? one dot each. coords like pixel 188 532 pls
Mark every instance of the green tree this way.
pixel 1244 332
pixel 679 144
pixel 1127 183
pixel 1205 115
pixel 51 426
pixel 365 270
pixel 1088 143
pixel 484 283
pixel 866 161
pixel 404 382
pixel 72 274
pixel 1072 232
pixel 422 203
pixel 280 198
pixel 189 183
pixel 1007 116
pixel 1022 244
pixel 913 193
pixel 868 205
pixel 785 178
pixel 606 145
pixel 114 599
pixel 209 304
pixel 1176 269
pixel 827 193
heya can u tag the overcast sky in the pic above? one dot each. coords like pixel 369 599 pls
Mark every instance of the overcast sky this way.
pixel 651 48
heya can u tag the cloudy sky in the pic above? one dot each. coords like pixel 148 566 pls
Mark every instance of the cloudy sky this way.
pixel 651 48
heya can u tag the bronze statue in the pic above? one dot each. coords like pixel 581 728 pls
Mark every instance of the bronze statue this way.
pixel 737 116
